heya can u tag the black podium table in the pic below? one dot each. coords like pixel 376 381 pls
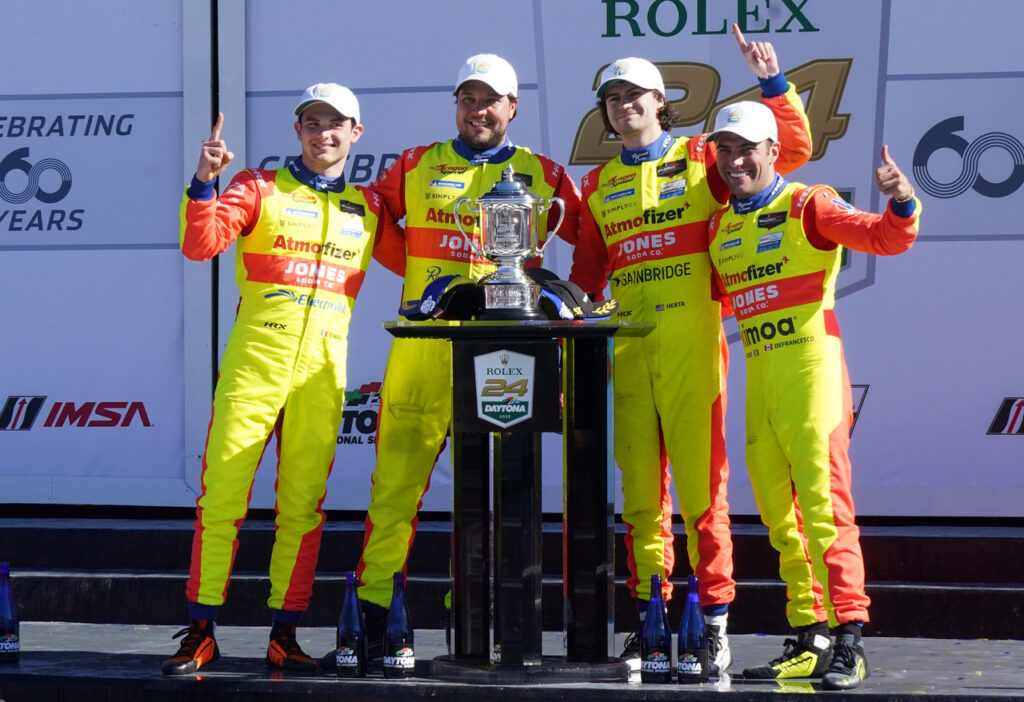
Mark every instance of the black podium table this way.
pixel 509 378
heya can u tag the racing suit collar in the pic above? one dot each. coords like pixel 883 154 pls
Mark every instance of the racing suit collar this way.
pixel 652 152
pixel 497 154
pixel 313 180
pixel 756 202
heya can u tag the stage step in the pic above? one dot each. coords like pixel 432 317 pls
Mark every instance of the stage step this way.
pixel 938 582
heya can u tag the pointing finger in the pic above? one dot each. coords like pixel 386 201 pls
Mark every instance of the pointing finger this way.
pixel 215 134
pixel 739 36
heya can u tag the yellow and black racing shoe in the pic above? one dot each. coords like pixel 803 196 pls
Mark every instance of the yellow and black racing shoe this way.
pixel 807 656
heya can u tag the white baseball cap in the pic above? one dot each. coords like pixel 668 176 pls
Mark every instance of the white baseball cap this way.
pixel 640 72
pixel 750 120
pixel 337 96
pixel 492 70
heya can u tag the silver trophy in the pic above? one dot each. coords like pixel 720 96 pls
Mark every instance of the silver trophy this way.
pixel 509 237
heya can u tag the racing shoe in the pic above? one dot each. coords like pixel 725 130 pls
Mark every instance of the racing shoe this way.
pixel 631 651
pixel 808 656
pixel 849 665
pixel 198 649
pixel 719 654
pixel 284 651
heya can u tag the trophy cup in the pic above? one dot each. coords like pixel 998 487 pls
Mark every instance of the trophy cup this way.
pixel 509 221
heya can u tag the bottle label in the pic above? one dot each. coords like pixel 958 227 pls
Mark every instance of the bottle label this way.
pixel 404 658
pixel 656 662
pixel 9 643
pixel 689 665
pixel 346 658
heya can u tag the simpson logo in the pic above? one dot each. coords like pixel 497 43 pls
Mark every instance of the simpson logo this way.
pixel 454 184
pixel 672 188
pixel 1009 419
pixel 620 194
pixel 768 242
pixel 670 168
pixel 504 387
pixel 772 219
pixel 296 212
pixel 731 244
pixel 352 208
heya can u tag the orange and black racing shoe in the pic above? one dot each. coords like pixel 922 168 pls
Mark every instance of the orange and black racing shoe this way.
pixel 198 649
pixel 284 651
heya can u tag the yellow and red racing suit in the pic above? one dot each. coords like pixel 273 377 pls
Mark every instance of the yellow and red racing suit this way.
pixel 303 246
pixel 415 405
pixel 644 223
pixel 777 260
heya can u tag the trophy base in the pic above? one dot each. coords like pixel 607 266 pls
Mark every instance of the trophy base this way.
pixel 510 314
pixel 510 300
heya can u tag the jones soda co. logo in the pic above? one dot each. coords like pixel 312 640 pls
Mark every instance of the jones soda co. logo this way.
pixel 504 387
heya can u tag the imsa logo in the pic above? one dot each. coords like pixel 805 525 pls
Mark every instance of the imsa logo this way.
pixel 504 387
pixel 1009 419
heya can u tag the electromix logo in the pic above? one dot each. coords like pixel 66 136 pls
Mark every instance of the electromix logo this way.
pixel 944 136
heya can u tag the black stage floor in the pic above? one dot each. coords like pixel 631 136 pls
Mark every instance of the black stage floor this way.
pixel 121 663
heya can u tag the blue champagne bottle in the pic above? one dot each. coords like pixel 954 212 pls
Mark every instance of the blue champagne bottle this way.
pixel 692 665
pixel 656 640
pixel 10 640
pixel 351 656
pixel 399 650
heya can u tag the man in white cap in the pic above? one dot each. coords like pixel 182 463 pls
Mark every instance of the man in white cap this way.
pixel 415 408
pixel 776 250
pixel 643 226
pixel 304 240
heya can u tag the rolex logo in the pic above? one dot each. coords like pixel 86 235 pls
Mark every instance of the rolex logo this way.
pixel 504 358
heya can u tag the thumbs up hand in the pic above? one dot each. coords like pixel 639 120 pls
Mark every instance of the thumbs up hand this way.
pixel 890 178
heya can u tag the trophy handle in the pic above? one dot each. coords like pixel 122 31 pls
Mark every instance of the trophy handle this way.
pixel 561 216
pixel 458 223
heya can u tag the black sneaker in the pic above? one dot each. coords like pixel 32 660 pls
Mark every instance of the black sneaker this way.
pixel 284 651
pixel 198 649
pixel 849 665
pixel 631 651
pixel 807 656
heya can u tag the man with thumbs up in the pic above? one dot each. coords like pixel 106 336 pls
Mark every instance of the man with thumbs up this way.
pixel 776 250
pixel 303 240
